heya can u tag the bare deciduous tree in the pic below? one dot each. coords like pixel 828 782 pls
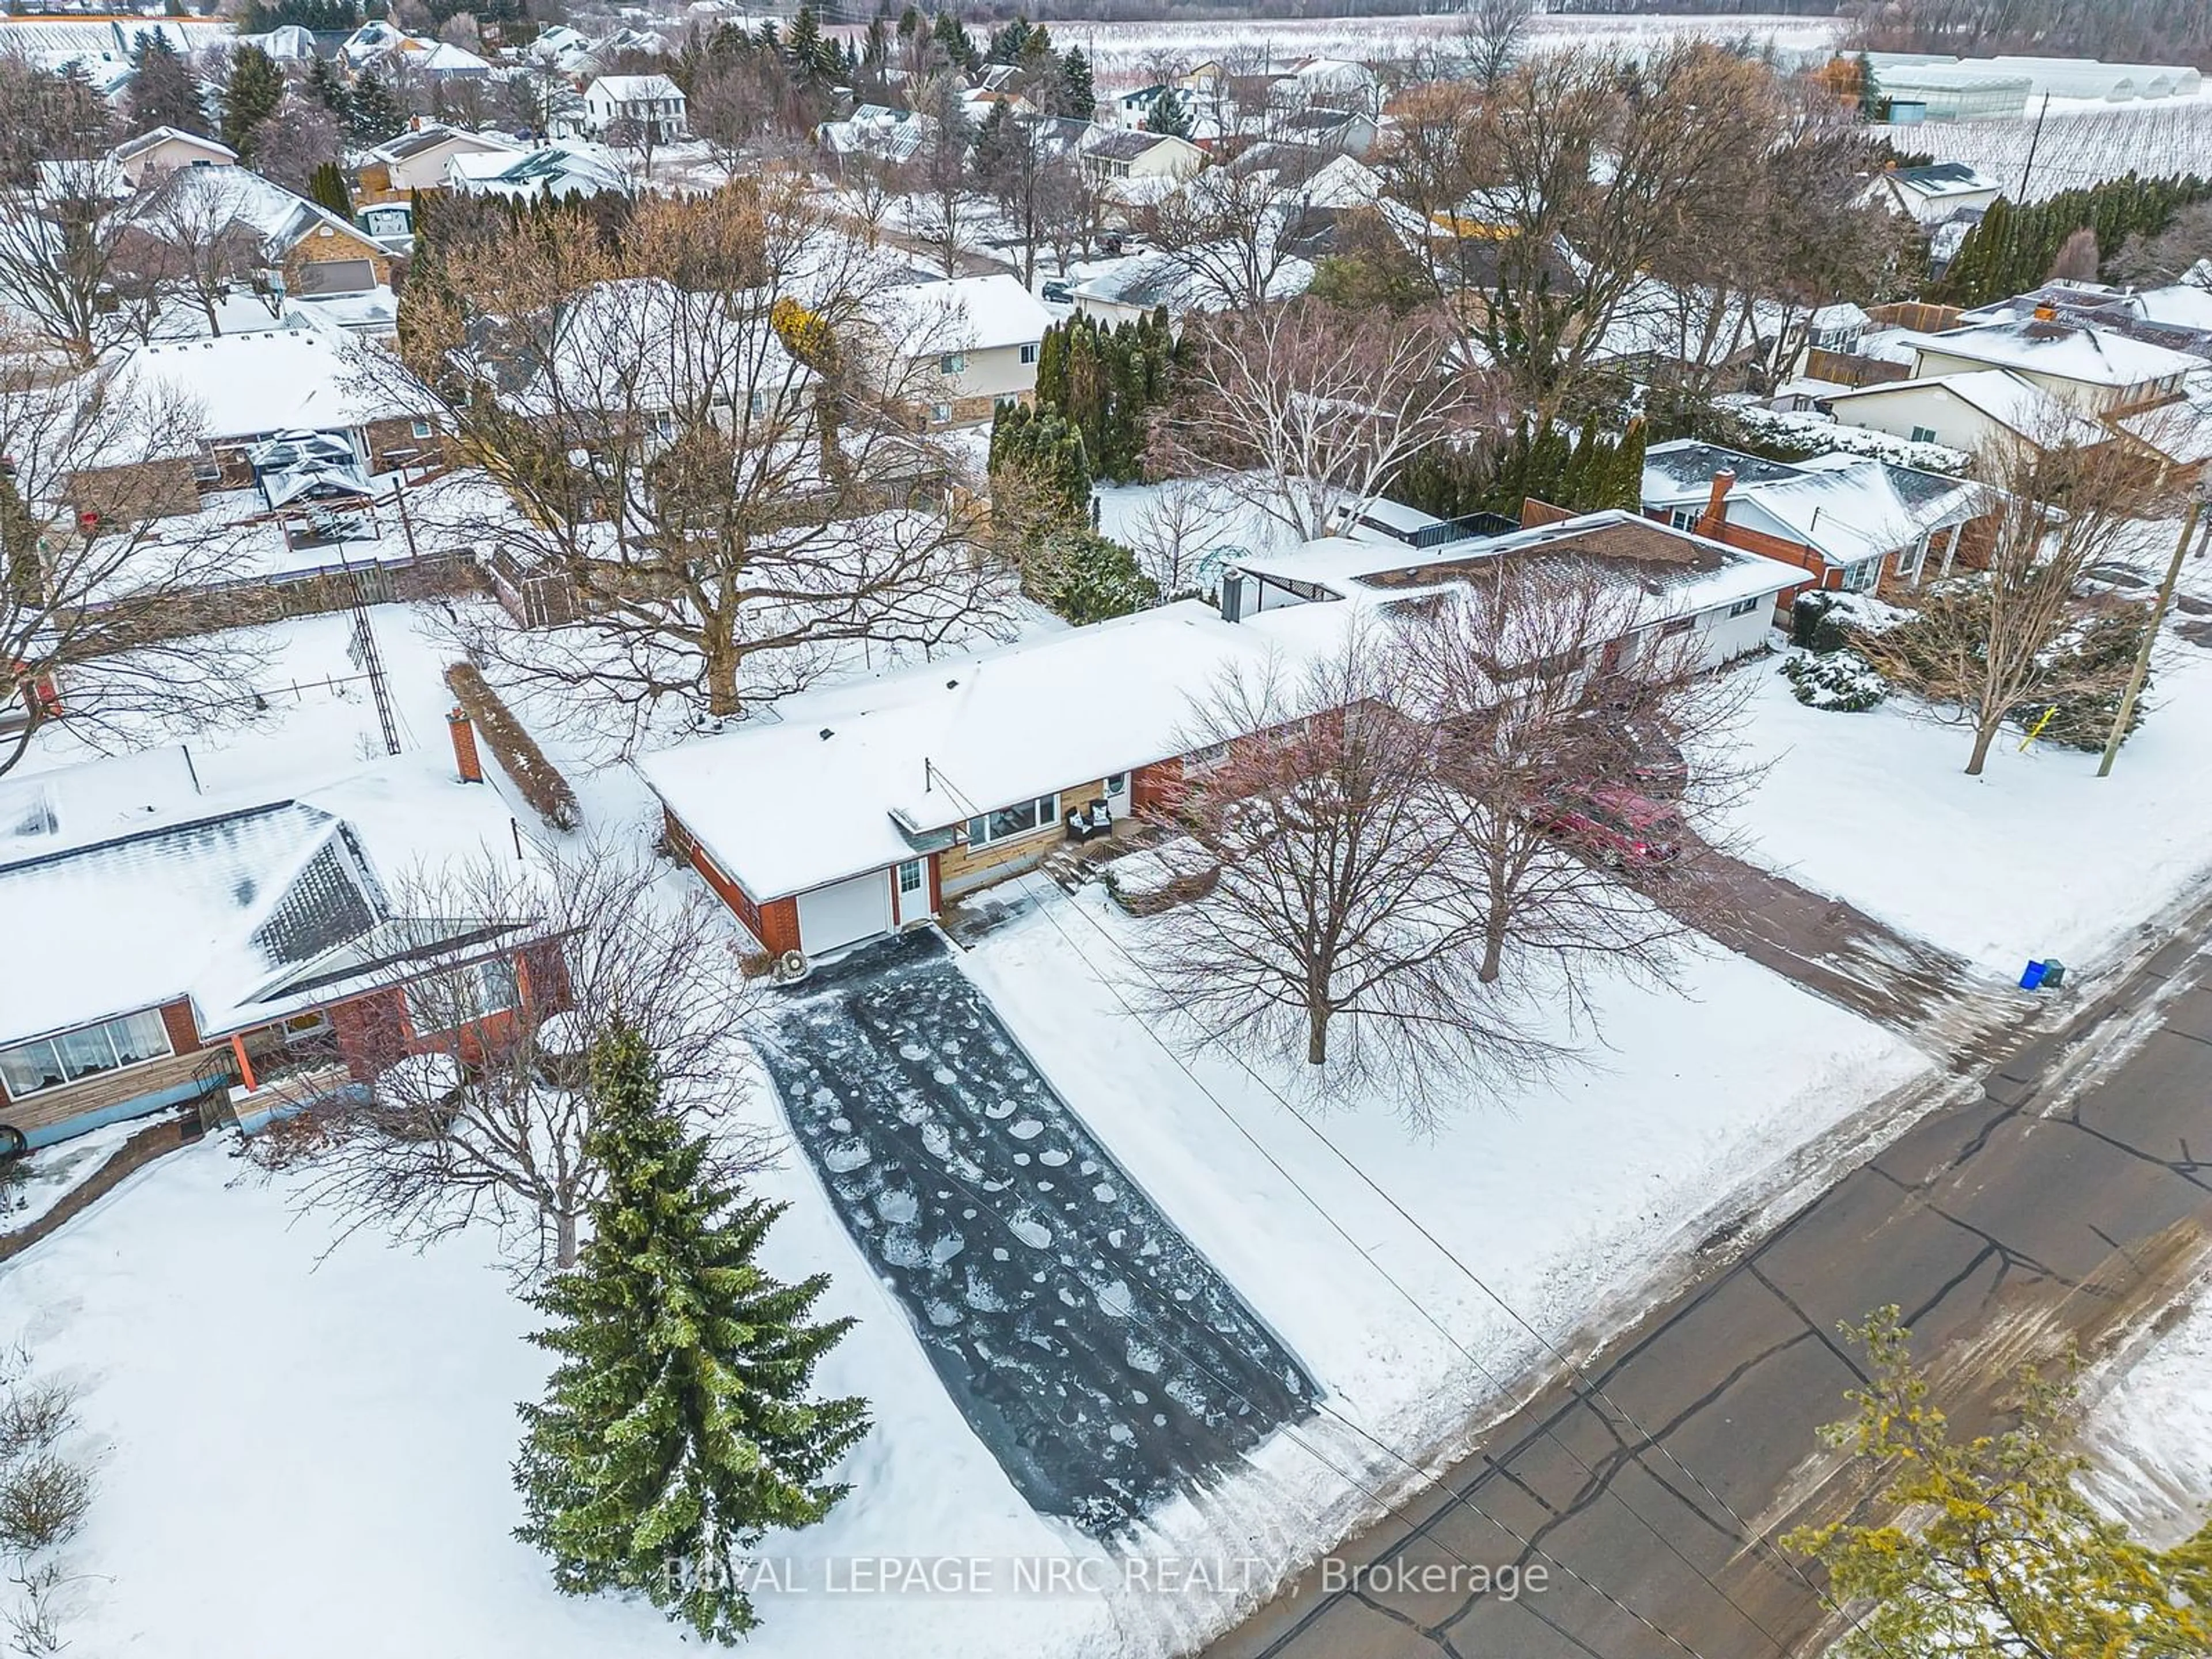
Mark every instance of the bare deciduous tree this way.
pixel 1179 522
pixel 707 427
pixel 1308 409
pixel 1346 923
pixel 96 566
pixel 1489 37
pixel 491 1124
pixel 184 242
pixel 1553 689
pixel 1989 644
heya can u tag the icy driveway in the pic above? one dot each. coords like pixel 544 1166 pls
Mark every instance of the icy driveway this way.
pixel 1100 1358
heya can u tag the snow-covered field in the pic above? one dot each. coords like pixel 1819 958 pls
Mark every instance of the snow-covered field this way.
pixel 1124 53
pixel 2078 147
pixel 2038 857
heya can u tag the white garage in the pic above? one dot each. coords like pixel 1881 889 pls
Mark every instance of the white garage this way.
pixel 844 912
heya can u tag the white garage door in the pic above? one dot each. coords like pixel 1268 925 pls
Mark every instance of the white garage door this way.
pixel 844 911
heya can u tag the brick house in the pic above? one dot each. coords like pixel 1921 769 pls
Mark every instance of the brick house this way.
pixel 861 810
pixel 1848 522
pixel 243 958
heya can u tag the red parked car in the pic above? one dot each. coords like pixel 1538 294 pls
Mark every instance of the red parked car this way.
pixel 1616 826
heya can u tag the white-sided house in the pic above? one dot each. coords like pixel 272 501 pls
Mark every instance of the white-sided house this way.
pixel 1963 411
pixel 653 103
pixel 977 338
pixel 162 150
pixel 416 159
pixel 2097 371
pixel 863 809
pixel 1107 155
pixel 1930 195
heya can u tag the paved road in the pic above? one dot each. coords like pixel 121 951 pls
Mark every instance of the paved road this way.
pixel 2044 1203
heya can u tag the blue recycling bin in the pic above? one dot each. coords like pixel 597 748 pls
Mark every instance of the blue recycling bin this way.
pixel 2033 979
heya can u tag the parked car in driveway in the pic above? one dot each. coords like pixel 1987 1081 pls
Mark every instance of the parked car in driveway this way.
pixel 1615 826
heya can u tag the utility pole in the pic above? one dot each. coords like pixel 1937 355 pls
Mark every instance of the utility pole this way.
pixel 2034 138
pixel 2141 671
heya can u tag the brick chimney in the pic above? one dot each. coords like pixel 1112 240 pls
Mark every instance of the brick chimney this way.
pixel 464 733
pixel 1714 520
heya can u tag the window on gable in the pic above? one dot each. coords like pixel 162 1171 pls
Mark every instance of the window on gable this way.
pixel 1924 434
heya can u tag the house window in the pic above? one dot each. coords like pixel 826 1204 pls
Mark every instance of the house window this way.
pixel 29 1069
pixel 940 412
pixel 757 403
pixel 1924 434
pixel 1683 517
pixel 1859 577
pixel 1908 560
pixel 1023 818
pixel 1743 607
pixel 1118 784
pixel 952 362
pixel 446 1001
pixel 663 422
pixel 909 876
pixel 1679 625
pixel 422 428
pixel 1029 354
pixel 1207 758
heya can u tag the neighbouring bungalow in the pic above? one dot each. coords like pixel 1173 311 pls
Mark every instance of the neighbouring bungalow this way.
pixel 247 388
pixel 1965 412
pixel 565 168
pixel 863 809
pixel 2097 371
pixel 1848 521
pixel 245 959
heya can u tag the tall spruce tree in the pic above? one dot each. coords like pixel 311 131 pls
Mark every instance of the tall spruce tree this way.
pixel 1078 93
pixel 1170 115
pixel 163 92
pixel 252 95
pixel 677 1428
pixel 376 112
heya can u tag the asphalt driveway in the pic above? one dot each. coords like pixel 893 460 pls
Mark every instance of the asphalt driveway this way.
pixel 1099 1356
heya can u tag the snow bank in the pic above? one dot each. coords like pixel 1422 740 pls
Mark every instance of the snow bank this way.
pixel 2150 1438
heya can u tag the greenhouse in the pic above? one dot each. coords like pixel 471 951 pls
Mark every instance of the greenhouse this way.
pixel 1952 92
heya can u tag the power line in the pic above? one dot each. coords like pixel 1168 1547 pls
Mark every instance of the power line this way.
pixel 961 799
pixel 1755 1538
pixel 1528 1545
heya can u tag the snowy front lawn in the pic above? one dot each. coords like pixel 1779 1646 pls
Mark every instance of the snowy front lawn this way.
pixel 2038 857
pixel 296 1442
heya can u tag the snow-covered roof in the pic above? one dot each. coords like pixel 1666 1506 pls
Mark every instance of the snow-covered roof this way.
pixel 206 907
pixel 566 167
pixel 1180 282
pixel 810 799
pixel 248 385
pixel 2071 351
pixel 154 137
pixel 969 314
pixel 1678 572
pixel 443 57
pixel 418 140
pixel 2181 431
pixel 2018 405
pixel 210 195
pixel 2185 304
pixel 72 806
pixel 852 778
pixel 636 88
pixel 1845 508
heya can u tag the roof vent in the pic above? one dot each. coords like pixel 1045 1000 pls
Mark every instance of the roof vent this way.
pixel 827 733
